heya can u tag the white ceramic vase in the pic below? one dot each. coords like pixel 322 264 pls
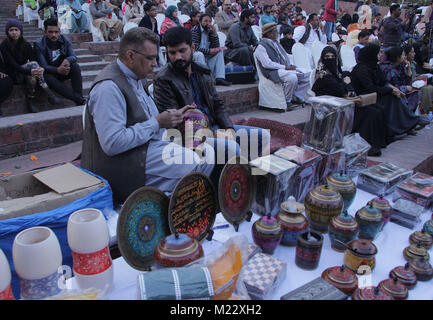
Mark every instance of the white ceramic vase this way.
pixel 5 278
pixel 88 239
pixel 37 257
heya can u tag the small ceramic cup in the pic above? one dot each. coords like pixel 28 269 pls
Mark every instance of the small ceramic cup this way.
pixel 5 278
pixel 308 249
pixel 88 239
pixel 37 257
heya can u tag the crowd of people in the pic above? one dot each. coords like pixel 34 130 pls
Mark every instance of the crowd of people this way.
pixel 391 53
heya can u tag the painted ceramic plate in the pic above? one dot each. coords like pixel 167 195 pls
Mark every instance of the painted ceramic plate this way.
pixel 236 190
pixel 142 225
pixel 193 206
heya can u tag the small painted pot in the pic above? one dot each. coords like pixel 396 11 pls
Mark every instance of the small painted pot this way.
pixel 344 185
pixel 371 293
pixel 342 278
pixel 360 252
pixel 422 238
pixel 267 233
pixel 292 223
pixel 321 205
pixel 414 252
pixel 428 226
pixel 177 250
pixel 370 222
pixel 343 228
pixel 308 250
pixel 422 269
pixel 381 204
pixel 405 274
pixel 395 288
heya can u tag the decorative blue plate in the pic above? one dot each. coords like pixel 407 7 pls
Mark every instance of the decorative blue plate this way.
pixel 142 224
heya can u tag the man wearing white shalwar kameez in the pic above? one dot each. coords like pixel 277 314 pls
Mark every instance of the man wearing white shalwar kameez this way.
pixel 277 66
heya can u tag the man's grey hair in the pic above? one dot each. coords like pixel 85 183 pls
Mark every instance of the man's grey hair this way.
pixel 134 39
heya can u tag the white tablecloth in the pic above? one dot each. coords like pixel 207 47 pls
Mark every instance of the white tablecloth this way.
pixel 390 243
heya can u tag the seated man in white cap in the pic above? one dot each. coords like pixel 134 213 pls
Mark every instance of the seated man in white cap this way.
pixel 277 66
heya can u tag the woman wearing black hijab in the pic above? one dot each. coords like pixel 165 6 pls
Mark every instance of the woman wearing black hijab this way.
pixel 368 78
pixel 368 121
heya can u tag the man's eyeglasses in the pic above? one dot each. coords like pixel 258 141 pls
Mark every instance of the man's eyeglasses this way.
pixel 150 58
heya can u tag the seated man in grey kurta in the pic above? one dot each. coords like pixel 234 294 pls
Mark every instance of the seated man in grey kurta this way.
pixel 123 134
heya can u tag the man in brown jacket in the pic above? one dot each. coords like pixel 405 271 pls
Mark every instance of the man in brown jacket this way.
pixel 225 18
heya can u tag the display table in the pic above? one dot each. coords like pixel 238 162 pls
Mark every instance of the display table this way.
pixel 390 243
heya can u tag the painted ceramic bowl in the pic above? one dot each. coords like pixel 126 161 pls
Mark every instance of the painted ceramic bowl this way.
pixel 371 293
pixel 414 252
pixel 422 268
pixel 267 233
pixel 292 222
pixel 344 185
pixel 177 250
pixel 422 238
pixel 405 274
pixel 428 226
pixel 321 205
pixel 358 253
pixel 194 120
pixel 370 222
pixel 342 278
pixel 308 250
pixel 343 228
pixel 381 204
pixel 395 288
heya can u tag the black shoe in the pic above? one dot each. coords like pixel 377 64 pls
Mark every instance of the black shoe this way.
pixel 222 82
pixel 374 152
pixel 81 102
pixel 297 100
pixel 30 107
pixel 412 132
pixel 291 106
pixel 422 122
pixel 53 100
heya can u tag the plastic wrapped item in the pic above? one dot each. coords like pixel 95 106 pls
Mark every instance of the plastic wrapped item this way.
pixel 407 209
pixel 77 294
pixel 382 179
pixel 331 119
pixel 418 189
pixel 274 184
pixel 317 289
pixel 214 276
pixel 262 275
pixel 308 162
pixel 252 250
pixel 356 150
pixel 407 223
pixel 330 163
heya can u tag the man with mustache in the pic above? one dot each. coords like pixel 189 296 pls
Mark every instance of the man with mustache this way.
pixel 209 52
pixel 183 82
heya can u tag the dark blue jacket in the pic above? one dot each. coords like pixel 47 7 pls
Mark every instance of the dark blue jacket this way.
pixel 43 53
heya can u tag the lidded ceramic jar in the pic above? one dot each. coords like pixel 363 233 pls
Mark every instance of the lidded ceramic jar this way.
pixel 371 293
pixel 422 238
pixel 321 205
pixel 422 269
pixel 343 228
pixel 428 226
pixel 292 221
pixel 384 207
pixel 343 184
pixel 370 222
pixel 342 278
pixel 177 250
pixel 360 252
pixel 395 288
pixel 267 233
pixel 405 274
pixel 308 249
pixel 414 252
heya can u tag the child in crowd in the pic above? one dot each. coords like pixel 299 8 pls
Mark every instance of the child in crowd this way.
pixel 287 41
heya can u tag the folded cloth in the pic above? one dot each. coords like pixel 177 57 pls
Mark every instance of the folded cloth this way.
pixel 176 284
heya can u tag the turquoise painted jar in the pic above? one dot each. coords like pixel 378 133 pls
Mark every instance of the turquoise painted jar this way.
pixel 428 227
pixel 342 183
pixel 370 222
pixel 343 228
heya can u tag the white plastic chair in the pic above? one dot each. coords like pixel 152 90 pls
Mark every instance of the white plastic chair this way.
pixel 310 92
pixel 96 32
pixel 317 51
pixel 128 24
pixel 19 10
pixel 222 38
pixel 347 58
pixel 159 18
pixel 64 18
pixel 271 95
pixel 301 57
pixel 335 37
pixel 183 18
pixel 257 31
pixel 162 56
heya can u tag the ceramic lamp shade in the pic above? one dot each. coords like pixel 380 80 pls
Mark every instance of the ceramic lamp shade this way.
pixel 88 239
pixel 5 278
pixel 37 257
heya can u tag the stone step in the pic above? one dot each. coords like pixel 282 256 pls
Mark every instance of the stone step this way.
pixel 80 52
pixel 88 58
pixel 89 75
pixel 88 66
